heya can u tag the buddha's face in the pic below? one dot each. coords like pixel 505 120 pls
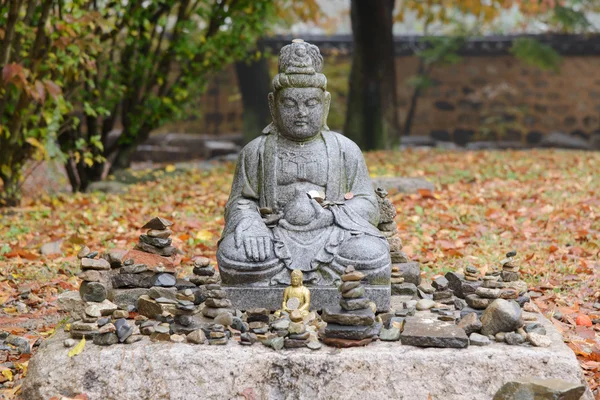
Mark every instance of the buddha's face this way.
pixel 296 280
pixel 299 112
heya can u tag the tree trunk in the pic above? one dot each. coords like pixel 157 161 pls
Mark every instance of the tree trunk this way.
pixel 372 116
pixel 10 196
pixel 253 81
pixel 412 108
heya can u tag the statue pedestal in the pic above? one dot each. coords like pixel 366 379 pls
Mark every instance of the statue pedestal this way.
pixel 270 297
pixel 381 370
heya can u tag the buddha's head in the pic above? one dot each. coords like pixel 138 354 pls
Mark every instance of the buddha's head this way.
pixel 299 102
pixel 296 278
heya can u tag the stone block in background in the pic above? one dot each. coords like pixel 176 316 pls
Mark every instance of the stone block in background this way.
pixel 402 184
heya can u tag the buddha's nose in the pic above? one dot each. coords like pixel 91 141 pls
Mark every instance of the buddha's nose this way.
pixel 302 111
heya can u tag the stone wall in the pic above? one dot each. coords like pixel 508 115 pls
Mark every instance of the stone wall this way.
pixel 489 95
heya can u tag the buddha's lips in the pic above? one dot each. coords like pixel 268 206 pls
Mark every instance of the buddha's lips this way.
pixel 300 123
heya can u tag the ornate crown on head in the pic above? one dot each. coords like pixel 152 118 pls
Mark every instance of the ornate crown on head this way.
pixel 300 65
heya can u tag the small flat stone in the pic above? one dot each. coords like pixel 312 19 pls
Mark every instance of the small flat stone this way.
pixel 296 328
pixel 20 343
pixel 294 343
pixel 133 269
pixel 351 332
pixel 514 339
pixel 313 344
pixel 475 339
pixel 105 307
pixel 337 315
pixel 404 289
pixel 117 314
pixel 160 337
pixel 204 271
pixel 346 343
pixel 159 233
pixel 540 389
pixel 432 333
pixel 99 264
pixel 83 252
pixel 93 311
pixel 470 323
pixel 148 307
pixel 213 312
pixel 389 335
pixel 355 293
pixel 124 330
pixel 426 288
pixel 133 339
pixel 345 286
pixel 93 291
pixel 90 275
pixel 479 303
pixel 425 304
pixel 440 283
pixel 164 280
pixel 488 293
pixel 538 340
pixel 157 223
pixel 107 328
pixel 353 276
pixel 155 241
pixel 218 303
pixel 280 324
pixel 177 338
pixel 201 262
pixel 69 342
pixel 196 337
pixel 354 304
pixel 225 319
pixel 105 339
pixel 509 293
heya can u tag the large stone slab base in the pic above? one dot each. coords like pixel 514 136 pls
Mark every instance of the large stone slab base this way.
pixel 381 370
pixel 246 297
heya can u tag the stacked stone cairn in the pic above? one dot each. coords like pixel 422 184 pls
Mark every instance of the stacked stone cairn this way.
pixel 204 272
pixel 406 275
pixel 216 301
pixel 494 311
pixel 353 323
pixel 101 321
pixel 157 240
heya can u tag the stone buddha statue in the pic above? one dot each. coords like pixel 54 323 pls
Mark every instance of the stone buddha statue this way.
pixel 301 197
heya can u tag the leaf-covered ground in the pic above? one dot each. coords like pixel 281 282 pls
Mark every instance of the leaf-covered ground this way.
pixel 543 204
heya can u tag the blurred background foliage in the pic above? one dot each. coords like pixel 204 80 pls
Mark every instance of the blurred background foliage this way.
pixel 86 81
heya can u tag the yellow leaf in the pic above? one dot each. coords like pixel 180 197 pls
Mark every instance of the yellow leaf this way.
pixel 7 373
pixel 67 327
pixel 204 235
pixel 48 333
pixel 35 143
pixel 170 168
pixel 78 348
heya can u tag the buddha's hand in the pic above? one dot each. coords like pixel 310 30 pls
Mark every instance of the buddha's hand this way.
pixel 255 237
pixel 323 216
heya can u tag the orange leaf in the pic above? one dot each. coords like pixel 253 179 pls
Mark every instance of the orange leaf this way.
pixel 552 248
pixel 583 320
pixel 426 194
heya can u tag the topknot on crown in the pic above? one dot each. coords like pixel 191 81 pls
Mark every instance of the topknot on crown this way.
pixel 300 57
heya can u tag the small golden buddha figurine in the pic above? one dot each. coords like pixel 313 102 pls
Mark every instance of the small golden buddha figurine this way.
pixel 296 296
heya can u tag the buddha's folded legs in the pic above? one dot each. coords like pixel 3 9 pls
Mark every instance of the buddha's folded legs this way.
pixel 235 267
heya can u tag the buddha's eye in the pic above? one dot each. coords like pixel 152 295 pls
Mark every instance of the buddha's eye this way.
pixel 288 102
pixel 312 102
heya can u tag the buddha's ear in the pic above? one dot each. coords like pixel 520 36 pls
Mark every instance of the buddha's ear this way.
pixel 326 104
pixel 272 105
